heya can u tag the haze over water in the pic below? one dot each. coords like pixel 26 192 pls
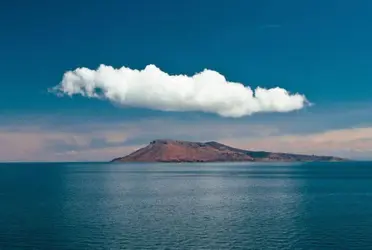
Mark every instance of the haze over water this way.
pixel 186 206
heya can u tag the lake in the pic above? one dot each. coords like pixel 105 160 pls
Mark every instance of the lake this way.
pixel 186 206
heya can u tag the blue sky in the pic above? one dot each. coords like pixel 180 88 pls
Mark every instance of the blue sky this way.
pixel 321 49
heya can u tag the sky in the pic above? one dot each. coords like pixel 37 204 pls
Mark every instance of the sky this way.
pixel 90 81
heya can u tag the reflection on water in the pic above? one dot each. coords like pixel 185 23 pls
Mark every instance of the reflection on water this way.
pixel 175 206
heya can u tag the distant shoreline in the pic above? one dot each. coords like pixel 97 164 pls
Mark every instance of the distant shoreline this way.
pixel 174 151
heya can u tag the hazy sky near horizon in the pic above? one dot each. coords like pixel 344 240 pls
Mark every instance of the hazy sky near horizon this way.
pixel 314 51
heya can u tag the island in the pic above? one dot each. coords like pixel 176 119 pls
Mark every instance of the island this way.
pixel 186 151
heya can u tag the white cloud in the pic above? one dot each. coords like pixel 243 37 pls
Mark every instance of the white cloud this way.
pixel 207 91
pixel 350 142
pixel 103 141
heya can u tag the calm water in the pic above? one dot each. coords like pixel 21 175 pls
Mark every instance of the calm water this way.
pixel 186 206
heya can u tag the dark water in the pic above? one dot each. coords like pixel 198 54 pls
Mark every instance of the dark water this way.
pixel 186 206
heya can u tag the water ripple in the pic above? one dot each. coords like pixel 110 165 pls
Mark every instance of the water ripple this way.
pixel 186 206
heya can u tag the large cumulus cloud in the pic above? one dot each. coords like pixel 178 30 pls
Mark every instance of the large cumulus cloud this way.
pixel 207 91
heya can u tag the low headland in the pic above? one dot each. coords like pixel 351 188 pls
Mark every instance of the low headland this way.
pixel 186 151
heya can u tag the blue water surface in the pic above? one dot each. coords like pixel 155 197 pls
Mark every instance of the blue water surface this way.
pixel 186 206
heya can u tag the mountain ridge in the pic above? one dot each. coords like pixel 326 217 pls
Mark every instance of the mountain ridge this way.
pixel 167 150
